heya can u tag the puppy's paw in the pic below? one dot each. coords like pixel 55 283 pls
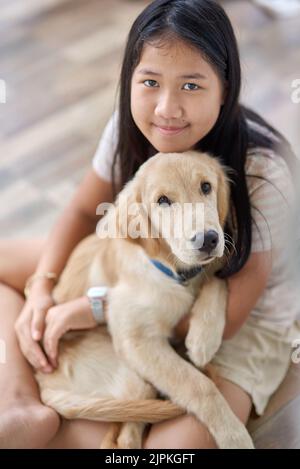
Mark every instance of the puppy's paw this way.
pixel 236 439
pixel 245 441
pixel 201 348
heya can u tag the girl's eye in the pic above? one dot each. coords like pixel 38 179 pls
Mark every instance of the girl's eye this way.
pixel 151 83
pixel 206 188
pixel 164 200
pixel 191 87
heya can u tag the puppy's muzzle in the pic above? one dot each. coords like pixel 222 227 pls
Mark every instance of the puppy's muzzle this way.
pixel 206 243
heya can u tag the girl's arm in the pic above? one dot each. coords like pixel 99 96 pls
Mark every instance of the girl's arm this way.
pixel 72 315
pixel 245 289
pixel 76 222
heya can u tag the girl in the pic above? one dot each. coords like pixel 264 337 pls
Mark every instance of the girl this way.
pixel 179 90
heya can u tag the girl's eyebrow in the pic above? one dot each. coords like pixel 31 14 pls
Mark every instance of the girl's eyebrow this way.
pixel 145 71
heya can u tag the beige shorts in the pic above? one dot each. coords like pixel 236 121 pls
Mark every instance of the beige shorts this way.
pixel 257 358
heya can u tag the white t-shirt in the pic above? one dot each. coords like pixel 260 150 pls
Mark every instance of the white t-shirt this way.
pixel 102 161
pixel 270 199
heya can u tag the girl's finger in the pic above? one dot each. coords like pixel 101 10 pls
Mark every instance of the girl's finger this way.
pixel 32 351
pixel 38 323
pixel 51 338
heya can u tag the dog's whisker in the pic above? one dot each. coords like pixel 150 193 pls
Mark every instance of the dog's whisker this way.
pixel 229 238
pixel 227 254
pixel 227 242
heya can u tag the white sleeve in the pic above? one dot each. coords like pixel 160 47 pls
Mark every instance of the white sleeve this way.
pixel 103 158
pixel 271 202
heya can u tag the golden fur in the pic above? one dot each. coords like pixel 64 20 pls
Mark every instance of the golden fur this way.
pixel 115 376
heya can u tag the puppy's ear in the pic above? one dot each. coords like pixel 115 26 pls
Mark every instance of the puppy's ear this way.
pixel 133 221
pixel 127 207
pixel 223 196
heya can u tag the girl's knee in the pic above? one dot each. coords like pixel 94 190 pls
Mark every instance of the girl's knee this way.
pixel 19 259
pixel 39 421
pixel 184 432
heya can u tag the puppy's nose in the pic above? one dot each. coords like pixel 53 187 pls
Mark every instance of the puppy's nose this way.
pixel 197 240
pixel 211 239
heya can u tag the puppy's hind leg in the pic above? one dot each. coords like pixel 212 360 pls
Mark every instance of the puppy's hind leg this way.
pixel 131 435
pixel 111 437
pixel 126 435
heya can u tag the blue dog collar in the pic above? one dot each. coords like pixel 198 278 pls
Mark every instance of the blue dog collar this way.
pixel 182 276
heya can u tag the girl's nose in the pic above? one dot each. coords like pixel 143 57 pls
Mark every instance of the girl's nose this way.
pixel 168 108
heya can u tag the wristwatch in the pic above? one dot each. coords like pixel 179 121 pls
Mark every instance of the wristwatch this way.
pixel 97 296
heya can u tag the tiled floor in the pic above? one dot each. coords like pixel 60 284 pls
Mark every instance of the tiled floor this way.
pixel 60 60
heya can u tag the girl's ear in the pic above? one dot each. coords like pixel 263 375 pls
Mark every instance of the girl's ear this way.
pixel 223 196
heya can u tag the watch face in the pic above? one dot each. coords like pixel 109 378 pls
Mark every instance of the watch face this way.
pixel 96 292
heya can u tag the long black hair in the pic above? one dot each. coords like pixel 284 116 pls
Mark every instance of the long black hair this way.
pixel 204 25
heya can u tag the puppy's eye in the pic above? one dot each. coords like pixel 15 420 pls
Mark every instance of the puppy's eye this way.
pixel 206 187
pixel 164 200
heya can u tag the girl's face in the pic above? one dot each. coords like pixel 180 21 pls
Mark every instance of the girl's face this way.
pixel 175 96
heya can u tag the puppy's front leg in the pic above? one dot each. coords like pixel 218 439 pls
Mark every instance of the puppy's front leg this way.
pixel 155 360
pixel 207 322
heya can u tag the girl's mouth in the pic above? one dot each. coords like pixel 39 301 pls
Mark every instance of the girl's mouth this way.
pixel 170 130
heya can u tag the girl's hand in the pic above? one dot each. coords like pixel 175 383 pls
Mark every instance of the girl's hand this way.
pixel 72 315
pixel 30 325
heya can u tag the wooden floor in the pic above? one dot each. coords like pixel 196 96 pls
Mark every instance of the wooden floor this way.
pixel 60 60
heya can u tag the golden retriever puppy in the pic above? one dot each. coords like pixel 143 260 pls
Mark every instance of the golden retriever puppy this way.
pixel 114 373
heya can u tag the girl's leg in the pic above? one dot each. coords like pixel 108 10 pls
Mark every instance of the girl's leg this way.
pixel 79 434
pixel 186 432
pixel 24 421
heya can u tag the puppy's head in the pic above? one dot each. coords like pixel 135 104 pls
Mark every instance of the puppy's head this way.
pixel 181 200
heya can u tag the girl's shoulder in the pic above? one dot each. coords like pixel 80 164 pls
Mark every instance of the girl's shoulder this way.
pixel 272 196
pixel 268 176
pixel 266 162
pixel 104 155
